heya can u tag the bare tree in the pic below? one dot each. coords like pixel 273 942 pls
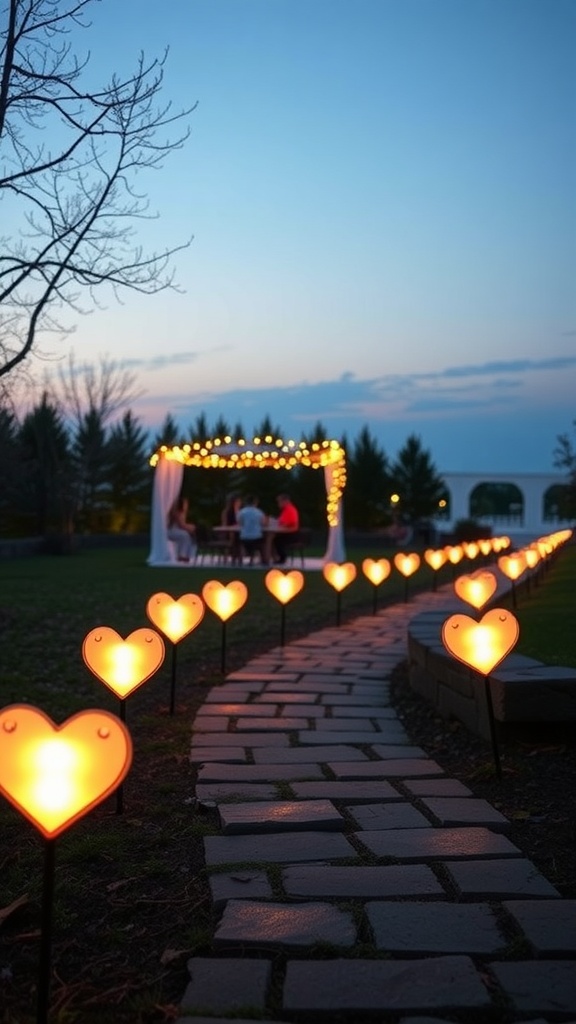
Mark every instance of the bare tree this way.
pixel 69 159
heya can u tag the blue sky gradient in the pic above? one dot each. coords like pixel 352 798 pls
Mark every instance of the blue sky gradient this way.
pixel 381 198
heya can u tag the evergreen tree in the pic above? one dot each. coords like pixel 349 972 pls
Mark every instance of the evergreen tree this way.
pixel 129 476
pixel 46 465
pixel 169 434
pixel 90 472
pixel 368 483
pixel 415 479
pixel 565 460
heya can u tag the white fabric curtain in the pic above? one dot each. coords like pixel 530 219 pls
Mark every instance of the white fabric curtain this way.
pixel 335 551
pixel 167 484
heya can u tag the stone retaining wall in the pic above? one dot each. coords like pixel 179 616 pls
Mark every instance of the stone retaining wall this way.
pixel 523 690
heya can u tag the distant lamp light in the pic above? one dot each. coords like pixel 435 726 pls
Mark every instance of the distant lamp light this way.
pixel 394 499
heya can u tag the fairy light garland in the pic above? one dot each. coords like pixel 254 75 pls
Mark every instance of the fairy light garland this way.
pixel 264 453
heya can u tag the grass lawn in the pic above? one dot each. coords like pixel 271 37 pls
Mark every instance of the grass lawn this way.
pixel 131 900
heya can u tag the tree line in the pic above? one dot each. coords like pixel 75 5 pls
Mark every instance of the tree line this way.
pixel 78 462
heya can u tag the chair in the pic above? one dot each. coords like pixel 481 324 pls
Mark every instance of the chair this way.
pixel 296 545
pixel 211 544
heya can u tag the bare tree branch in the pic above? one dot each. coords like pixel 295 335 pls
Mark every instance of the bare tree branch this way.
pixel 68 163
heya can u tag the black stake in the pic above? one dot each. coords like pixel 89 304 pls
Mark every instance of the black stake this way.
pixel 173 680
pixel 46 933
pixel 405 589
pixel 338 606
pixel 282 624
pixel 223 650
pixel 492 724
pixel 120 790
pixel 375 599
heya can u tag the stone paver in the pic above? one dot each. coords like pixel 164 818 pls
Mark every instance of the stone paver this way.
pixel 450 982
pixel 539 986
pixel 280 816
pixel 226 985
pixel 465 811
pixel 259 924
pixel 302 746
pixel 549 926
pixel 289 846
pixel 499 878
pixel 469 928
pixel 427 844
pixel 393 815
pixel 369 882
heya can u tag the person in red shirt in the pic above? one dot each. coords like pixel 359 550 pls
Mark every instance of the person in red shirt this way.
pixel 288 526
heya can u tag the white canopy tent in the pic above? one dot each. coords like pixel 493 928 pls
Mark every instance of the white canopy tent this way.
pixel 269 452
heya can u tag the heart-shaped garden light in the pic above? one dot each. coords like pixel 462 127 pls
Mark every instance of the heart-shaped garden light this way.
pixel 284 585
pixel 477 588
pixel 471 549
pixel 435 559
pixel 55 774
pixel 225 599
pixel 532 556
pixel 376 570
pixel 512 565
pixel 123 665
pixel 175 617
pixel 481 645
pixel 339 574
pixel 485 546
pixel 407 565
pixel 455 553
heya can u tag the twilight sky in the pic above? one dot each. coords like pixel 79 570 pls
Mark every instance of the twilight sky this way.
pixel 382 198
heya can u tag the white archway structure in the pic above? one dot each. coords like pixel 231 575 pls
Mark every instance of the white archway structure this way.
pixel 533 487
pixel 259 453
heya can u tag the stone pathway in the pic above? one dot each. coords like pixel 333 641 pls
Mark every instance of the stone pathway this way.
pixel 351 879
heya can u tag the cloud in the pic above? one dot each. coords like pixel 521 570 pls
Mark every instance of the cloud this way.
pixel 173 359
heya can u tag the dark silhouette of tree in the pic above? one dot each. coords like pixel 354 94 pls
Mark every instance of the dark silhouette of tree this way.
pixel 367 495
pixel 44 444
pixel 11 471
pixel 169 434
pixel 89 463
pixel 565 460
pixel 71 154
pixel 415 479
pixel 129 476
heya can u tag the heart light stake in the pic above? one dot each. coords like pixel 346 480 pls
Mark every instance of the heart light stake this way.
pixel 513 566
pixel 224 600
pixel 339 575
pixel 407 565
pixel 482 646
pixel 435 559
pixel 123 665
pixel 376 571
pixel 54 775
pixel 284 587
pixel 477 588
pixel 176 618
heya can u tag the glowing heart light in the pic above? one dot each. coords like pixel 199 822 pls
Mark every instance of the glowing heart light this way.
pixel 123 665
pixel 485 546
pixel 284 586
pixel 55 774
pixel 175 617
pixel 339 575
pixel 532 557
pixel 512 565
pixel 435 558
pixel 481 645
pixel 471 549
pixel 407 565
pixel 376 570
pixel 477 588
pixel 224 600
pixel 455 553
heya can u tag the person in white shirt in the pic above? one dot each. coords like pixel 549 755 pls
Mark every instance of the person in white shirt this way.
pixel 251 521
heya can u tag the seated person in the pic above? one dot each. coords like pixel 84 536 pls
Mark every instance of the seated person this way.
pixel 288 527
pixel 251 521
pixel 180 531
